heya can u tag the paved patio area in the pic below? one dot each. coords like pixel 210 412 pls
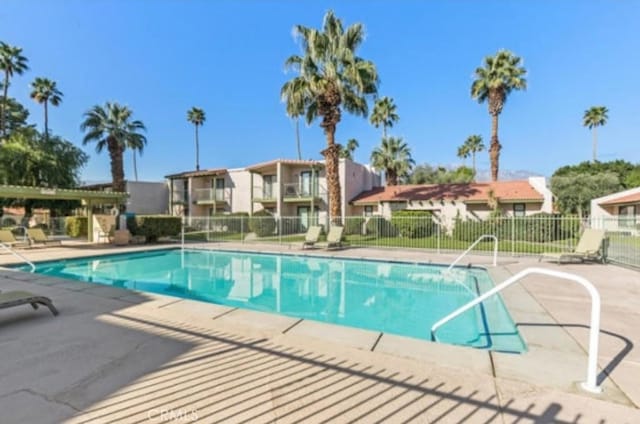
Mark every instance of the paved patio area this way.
pixel 121 356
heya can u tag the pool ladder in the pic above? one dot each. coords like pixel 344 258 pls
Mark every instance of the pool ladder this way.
pixel 591 385
pixel 482 237
pixel 18 255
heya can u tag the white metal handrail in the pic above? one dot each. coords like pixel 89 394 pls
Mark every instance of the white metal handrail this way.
pixel 18 255
pixel 591 385
pixel 482 237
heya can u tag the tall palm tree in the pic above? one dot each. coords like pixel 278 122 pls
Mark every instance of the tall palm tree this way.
pixel 136 143
pixel 347 151
pixel 197 117
pixel 12 62
pixel 500 75
pixel 111 126
pixel 384 113
pixel 331 78
pixel 393 156
pixel 473 145
pixel 463 153
pixel 594 117
pixel 45 91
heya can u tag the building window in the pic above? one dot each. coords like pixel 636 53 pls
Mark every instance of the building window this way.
pixel 519 209
pixel 368 210
pixel 627 216
pixel 269 182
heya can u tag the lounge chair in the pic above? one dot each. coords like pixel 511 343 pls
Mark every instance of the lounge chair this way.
pixel 312 236
pixel 36 235
pixel 7 237
pixel 16 298
pixel 334 237
pixel 589 247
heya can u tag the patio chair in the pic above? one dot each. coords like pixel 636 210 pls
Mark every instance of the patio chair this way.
pixel 312 236
pixel 36 235
pixel 16 298
pixel 334 237
pixel 7 237
pixel 589 247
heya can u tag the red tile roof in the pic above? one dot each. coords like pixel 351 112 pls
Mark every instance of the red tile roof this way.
pixel 201 173
pixel 472 192
pixel 629 198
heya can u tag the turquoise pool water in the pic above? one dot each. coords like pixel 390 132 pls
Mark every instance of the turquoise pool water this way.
pixel 397 298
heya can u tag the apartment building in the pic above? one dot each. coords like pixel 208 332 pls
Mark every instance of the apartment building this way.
pixel 284 187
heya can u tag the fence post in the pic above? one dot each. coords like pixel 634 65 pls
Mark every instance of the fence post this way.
pixel 438 238
pixel 513 236
pixel 279 229
pixel 241 229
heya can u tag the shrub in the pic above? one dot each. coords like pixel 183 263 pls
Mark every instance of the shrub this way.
pixel 76 226
pixel 377 226
pixel 413 224
pixel 8 222
pixel 262 223
pixel 353 225
pixel 231 223
pixel 154 226
pixel 470 230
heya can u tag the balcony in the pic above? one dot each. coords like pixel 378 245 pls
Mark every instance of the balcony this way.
pixel 296 192
pixel 266 194
pixel 180 198
pixel 211 196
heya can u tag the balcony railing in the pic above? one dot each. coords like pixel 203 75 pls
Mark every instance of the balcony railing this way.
pixel 302 191
pixel 265 193
pixel 212 195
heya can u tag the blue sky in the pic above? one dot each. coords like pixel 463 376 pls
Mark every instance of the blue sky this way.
pixel 161 57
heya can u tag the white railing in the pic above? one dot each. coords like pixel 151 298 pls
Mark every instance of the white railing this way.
pixel 211 194
pixel 482 237
pixel 18 255
pixel 591 385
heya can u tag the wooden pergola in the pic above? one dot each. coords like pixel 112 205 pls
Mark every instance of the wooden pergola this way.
pixel 89 198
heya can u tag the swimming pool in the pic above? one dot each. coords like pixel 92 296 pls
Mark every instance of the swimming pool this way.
pixel 398 298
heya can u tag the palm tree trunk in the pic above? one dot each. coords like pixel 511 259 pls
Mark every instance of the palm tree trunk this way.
pixel 4 104
pixel 117 167
pixel 332 161
pixel 197 150
pixel 494 149
pixel 473 160
pixel 298 138
pixel 135 165
pixel 46 121
pixel 595 144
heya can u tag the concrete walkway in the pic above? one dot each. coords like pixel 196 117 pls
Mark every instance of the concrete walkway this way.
pixel 120 356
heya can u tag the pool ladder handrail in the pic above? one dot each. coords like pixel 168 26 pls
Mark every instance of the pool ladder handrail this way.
pixel 482 237
pixel 18 255
pixel 591 384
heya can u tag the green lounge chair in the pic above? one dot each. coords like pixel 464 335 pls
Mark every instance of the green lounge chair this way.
pixel 590 247
pixel 334 238
pixel 16 298
pixel 7 237
pixel 312 236
pixel 36 235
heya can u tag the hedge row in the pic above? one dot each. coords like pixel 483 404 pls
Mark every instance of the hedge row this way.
pixel 539 228
pixel 154 226
pixel 76 226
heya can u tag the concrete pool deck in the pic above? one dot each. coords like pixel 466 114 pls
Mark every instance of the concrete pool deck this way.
pixel 117 355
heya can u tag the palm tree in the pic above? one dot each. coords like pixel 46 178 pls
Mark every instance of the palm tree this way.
pixel 347 151
pixel 332 78
pixel 136 143
pixel 594 117
pixel 197 117
pixel 12 62
pixel 44 91
pixel 394 158
pixel 463 153
pixel 493 83
pixel 473 144
pixel 111 126
pixel 384 113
